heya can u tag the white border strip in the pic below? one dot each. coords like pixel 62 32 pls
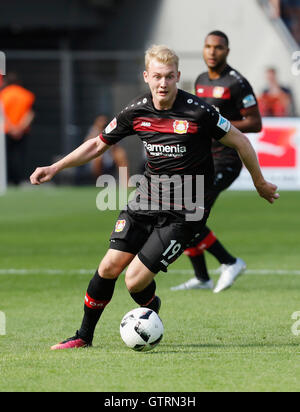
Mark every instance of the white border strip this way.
pixel 185 272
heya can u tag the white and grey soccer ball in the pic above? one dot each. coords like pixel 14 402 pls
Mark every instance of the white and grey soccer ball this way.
pixel 141 329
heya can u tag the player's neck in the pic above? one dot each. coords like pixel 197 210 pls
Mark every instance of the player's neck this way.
pixel 164 105
pixel 216 72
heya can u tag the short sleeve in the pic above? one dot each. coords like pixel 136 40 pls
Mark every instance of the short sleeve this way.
pixel 118 128
pixel 217 126
pixel 244 95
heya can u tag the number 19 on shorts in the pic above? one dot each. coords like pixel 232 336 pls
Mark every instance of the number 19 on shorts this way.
pixel 172 250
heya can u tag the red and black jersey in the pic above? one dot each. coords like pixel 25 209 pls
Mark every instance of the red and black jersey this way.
pixel 177 141
pixel 230 94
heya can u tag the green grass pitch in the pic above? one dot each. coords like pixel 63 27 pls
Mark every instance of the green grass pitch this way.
pixel 238 340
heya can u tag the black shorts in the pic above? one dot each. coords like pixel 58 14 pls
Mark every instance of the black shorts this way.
pixel 224 177
pixel 157 239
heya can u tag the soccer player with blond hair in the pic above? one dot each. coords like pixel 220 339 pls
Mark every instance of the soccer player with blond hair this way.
pixel 176 128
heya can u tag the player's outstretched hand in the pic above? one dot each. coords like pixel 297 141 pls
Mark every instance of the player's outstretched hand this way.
pixel 42 175
pixel 268 191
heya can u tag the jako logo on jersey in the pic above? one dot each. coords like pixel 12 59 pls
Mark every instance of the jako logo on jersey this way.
pixel 165 150
pixel 120 225
pixel 223 124
pixel 181 126
pixel 112 125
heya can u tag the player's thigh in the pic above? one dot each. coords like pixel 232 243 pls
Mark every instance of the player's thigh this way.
pixel 113 263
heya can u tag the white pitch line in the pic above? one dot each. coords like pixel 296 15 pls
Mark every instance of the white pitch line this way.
pixel 185 272
pixel 247 272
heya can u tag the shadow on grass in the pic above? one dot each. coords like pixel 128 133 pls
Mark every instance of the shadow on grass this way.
pixel 229 345
pixel 182 348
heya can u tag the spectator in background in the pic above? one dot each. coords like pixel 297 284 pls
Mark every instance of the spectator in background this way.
pixel 276 100
pixel 17 105
pixel 113 159
pixel 290 14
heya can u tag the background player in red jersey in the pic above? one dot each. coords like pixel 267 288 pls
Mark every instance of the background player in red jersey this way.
pixel 147 241
pixel 231 94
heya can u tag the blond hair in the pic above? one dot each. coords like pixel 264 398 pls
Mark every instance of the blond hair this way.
pixel 161 53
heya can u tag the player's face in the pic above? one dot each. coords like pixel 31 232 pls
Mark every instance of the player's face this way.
pixel 271 76
pixel 162 80
pixel 215 52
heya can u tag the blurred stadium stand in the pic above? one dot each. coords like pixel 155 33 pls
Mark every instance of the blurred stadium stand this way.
pixel 257 40
pixel 85 57
pixel 289 11
pixel 80 58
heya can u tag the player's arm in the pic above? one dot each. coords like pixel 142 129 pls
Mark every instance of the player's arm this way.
pixel 83 154
pixel 18 131
pixel 235 139
pixel 246 103
pixel 251 122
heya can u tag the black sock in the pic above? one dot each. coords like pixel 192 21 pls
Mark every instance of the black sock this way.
pixel 147 298
pixel 200 267
pixel 99 294
pixel 221 254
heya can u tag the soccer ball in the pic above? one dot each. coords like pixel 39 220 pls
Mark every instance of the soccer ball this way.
pixel 141 329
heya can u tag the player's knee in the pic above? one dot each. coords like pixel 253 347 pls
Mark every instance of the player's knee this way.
pixel 133 282
pixel 109 269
